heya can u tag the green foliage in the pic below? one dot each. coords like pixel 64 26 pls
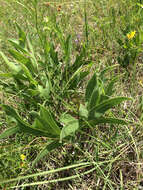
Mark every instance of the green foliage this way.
pixel 98 100
pixel 130 51
pixel 36 80
pixel 48 102
pixel 51 146
pixel 9 132
pixel 71 125
pixel 45 124
pixel 131 45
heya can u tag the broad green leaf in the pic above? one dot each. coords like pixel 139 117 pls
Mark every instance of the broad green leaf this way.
pixel 83 112
pixel 23 126
pixel 32 54
pixel 33 92
pixel 96 121
pixel 22 36
pixel 40 123
pixel 28 74
pixel 66 118
pixel 14 68
pixel 34 114
pixel 71 125
pixel 103 98
pixel 21 58
pixel 44 92
pixel 50 147
pixel 9 132
pixel 11 112
pixel 16 45
pixel 90 87
pixel 6 75
pixel 18 56
pixel 93 101
pixel 33 131
pixel 107 104
pixel 109 89
pixel 49 121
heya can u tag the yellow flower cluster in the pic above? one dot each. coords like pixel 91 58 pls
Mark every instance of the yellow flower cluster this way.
pixel 22 156
pixel 131 35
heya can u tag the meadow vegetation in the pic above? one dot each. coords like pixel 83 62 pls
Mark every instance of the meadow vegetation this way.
pixel 71 83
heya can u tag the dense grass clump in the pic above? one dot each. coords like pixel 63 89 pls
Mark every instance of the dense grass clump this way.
pixel 71 94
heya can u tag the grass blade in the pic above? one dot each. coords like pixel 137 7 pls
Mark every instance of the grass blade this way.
pixel 46 150
pixel 105 120
pixel 93 101
pixel 84 164
pixel 107 104
pixel 14 68
pixel 9 132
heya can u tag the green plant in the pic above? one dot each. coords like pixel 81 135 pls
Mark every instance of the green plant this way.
pixel 131 49
pixel 113 153
pixel 98 101
pixel 37 78
pixel 131 44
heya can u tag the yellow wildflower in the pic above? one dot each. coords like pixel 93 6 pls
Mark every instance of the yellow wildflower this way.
pixel 131 35
pixel 22 156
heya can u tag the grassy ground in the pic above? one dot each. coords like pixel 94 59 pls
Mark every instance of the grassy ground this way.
pixel 111 155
